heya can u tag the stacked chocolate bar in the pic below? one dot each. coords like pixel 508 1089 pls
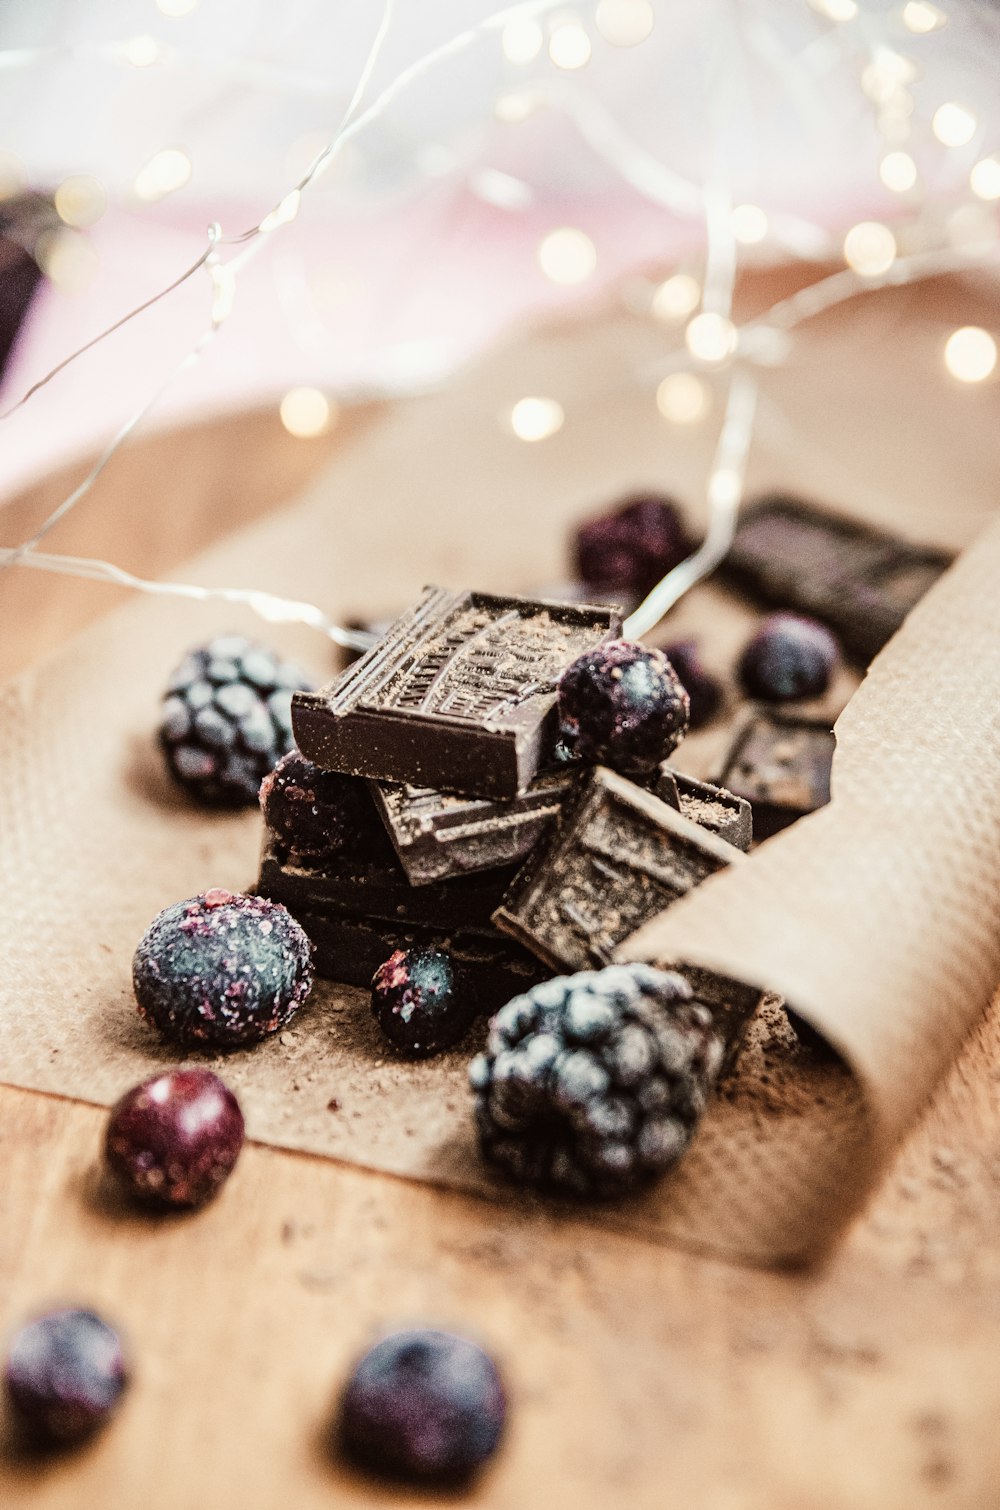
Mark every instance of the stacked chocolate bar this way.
pixel 472 834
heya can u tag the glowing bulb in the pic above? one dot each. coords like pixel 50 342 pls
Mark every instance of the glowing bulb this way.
pixel 168 171
pixel 836 10
pixel 13 177
pixel 710 337
pixel 80 200
pixel 142 52
pixel 898 171
pixel 284 212
pixel 567 255
pixel 724 488
pixel 984 180
pixel 515 106
pixel 970 354
pixel 749 223
pixel 67 259
pixel 682 398
pixel 569 46
pixel 625 23
pixel 953 124
pixel 306 412
pixel 870 248
pixel 920 17
pixel 534 419
pixel 677 297
pixel 521 40
pixel 177 7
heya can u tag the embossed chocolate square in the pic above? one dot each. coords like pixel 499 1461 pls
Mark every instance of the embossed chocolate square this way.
pixel 781 764
pixel 459 695
pixel 439 835
pixel 617 857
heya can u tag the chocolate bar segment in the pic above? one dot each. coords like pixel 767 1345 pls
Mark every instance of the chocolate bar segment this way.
pixel 438 835
pixel 382 890
pixel 781 765
pixel 459 695
pixel 860 580
pixel 719 811
pixel 617 857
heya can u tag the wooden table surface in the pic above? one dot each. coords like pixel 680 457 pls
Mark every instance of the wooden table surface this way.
pixel 640 1376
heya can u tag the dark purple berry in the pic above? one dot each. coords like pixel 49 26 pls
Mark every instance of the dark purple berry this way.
pixel 423 1405
pixel 222 969
pixel 65 1373
pixel 594 1083
pixel 174 1139
pixel 316 814
pixel 622 704
pixel 226 719
pixel 788 657
pixel 628 550
pixel 704 692
pixel 416 1002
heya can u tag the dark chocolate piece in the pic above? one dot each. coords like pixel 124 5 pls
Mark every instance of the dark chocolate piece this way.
pixel 860 580
pixel 438 835
pixel 719 811
pixel 350 950
pixel 459 695
pixel 781 765
pixel 616 858
pixel 366 888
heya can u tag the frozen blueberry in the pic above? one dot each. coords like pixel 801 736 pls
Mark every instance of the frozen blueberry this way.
pixel 417 1002
pixel 423 1405
pixel 65 1374
pixel 174 1139
pixel 788 657
pixel 594 1083
pixel 222 969
pixel 317 813
pixel 622 704
pixel 226 719
pixel 628 550
pixel 704 692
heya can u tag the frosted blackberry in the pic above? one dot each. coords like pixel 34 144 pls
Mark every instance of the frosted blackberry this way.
pixel 316 814
pixel 65 1373
pixel 226 719
pixel 425 1406
pixel 594 1083
pixel 704 692
pixel 628 550
pixel 222 970
pixel 622 705
pixel 417 1004
pixel 789 657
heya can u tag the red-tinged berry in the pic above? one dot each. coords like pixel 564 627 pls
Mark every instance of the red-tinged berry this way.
pixel 418 1004
pixel 425 1406
pixel 174 1140
pixel 789 657
pixel 628 550
pixel 624 706
pixel 65 1374
pixel 315 814
pixel 222 970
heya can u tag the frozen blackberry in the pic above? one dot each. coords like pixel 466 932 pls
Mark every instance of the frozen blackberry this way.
pixel 222 970
pixel 628 550
pixel 594 1083
pixel 65 1373
pixel 417 1003
pixel 622 705
pixel 704 692
pixel 789 657
pixel 174 1139
pixel 423 1405
pixel 226 719
pixel 316 814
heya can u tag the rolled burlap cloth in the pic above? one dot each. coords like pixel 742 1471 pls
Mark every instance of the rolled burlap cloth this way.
pixel 878 917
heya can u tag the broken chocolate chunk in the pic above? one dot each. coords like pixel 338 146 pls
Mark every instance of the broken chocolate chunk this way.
pixel 459 695
pixel 719 811
pixel 781 765
pixel 617 857
pixel 438 835
pixel 860 580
